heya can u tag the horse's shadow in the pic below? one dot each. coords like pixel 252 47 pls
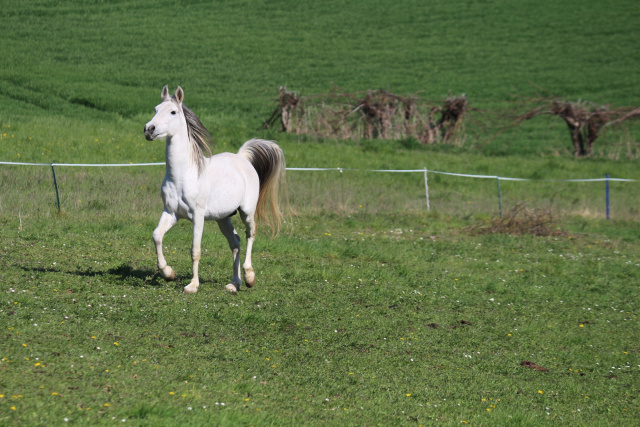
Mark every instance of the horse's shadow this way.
pixel 124 274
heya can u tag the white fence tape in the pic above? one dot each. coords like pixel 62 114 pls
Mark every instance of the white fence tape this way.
pixel 464 175
pixel 83 164
pixel 425 171
pixel 503 178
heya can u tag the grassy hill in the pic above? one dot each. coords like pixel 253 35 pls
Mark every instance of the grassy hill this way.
pixel 107 61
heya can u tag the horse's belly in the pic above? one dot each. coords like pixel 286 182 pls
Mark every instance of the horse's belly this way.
pixel 222 203
pixel 227 182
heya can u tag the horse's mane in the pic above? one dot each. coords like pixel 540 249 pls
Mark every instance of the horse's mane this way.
pixel 199 137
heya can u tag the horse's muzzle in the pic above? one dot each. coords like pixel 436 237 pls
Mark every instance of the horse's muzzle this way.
pixel 148 132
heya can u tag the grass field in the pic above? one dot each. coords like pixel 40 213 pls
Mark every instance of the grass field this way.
pixel 107 61
pixel 394 319
pixel 368 310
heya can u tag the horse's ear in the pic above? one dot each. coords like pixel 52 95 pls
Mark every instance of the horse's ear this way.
pixel 179 95
pixel 165 92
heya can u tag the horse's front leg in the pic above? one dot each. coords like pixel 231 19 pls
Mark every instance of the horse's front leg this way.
pixel 167 220
pixel 198 227
pixel 226 227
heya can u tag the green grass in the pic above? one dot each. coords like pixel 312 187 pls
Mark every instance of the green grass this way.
pixel 368 309
pixel 29 189
pixel 101 61
pixel 369 319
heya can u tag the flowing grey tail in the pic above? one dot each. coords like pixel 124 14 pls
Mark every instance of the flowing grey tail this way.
pixel 268 160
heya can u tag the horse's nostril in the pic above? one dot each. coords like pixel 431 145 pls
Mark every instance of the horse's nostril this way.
pixel 148 132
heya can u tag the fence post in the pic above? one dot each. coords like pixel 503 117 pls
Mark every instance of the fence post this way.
pixel 499 197
pixel 607 193
pixel 341 189
pixel 426 189
pixel 55 184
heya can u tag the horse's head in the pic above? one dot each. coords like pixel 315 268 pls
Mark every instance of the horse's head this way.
pixel 169 117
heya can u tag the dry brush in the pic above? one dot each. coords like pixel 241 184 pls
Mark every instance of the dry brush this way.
pixel 367 115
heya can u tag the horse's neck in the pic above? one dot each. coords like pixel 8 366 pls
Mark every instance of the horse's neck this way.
pixel 178 154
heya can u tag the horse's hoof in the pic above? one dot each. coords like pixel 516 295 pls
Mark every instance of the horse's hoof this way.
pixel 189 289
pixel 231 288
pixel 169 277
pixel 249 278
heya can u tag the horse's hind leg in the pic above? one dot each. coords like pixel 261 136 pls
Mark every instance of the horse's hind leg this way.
pixel 234 244
pixel 250 226
pixel 167 221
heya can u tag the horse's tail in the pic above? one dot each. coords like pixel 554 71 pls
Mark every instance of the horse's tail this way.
pixel 267 159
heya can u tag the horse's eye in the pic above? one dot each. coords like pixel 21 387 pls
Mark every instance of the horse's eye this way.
pixel 173 112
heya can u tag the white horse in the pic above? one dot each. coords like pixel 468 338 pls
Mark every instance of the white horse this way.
pixel 199 188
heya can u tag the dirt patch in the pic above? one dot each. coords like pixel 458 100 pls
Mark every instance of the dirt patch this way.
pixel 521 220
pixel 531 365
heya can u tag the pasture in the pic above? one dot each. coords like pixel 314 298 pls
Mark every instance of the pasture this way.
pixel 368 310
pixel 369 319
